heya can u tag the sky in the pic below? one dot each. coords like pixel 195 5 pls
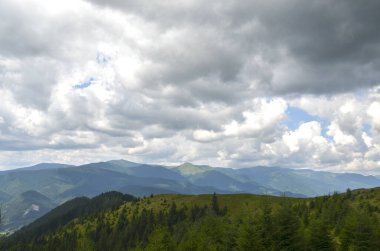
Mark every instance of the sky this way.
pixel 289 83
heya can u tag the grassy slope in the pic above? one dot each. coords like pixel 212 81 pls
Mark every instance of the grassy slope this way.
pixel 236 203
pixel 239 206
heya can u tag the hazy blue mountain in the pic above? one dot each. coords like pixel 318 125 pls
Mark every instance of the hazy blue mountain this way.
pixel 45 185
pixel 90 180
pixel 303 181
pixel 123 163
pixel 47 182
pixel 25 208
pixel 274 180
pixel 224 182
pixel 72 209
pixel 43 166
pixel 277 178
pixel 61 184
pixel 4 197
pixel 143 170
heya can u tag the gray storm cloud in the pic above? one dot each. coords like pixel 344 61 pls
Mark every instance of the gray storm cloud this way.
pixel 209 82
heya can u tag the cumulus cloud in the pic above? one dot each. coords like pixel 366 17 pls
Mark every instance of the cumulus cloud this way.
pixel 288 47
pixel 208 82
pixel 374 114
pixel 262 121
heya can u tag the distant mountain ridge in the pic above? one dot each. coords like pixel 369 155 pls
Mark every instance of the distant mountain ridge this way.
pixel 40 166
pixel 50 184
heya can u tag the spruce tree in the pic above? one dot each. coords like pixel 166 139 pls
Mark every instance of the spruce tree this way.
pixel 215 204
pixel 320 238
pixel 287 229
pixel 267 226
pixel 161 240
pixel 358 232
pixel 250 236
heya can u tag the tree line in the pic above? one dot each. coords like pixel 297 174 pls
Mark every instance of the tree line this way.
pixel 334 222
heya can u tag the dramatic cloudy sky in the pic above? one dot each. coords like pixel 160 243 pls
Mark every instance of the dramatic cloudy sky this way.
pixel 289 83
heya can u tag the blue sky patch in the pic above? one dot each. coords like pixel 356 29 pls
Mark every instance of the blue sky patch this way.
pixel 84 84
pixel 297 116
pixel 367 128
pixel 102 59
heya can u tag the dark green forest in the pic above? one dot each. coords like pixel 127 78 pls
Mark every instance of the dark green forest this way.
pixel 113 221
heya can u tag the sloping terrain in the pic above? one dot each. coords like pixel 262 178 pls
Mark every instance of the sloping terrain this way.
pixel 59 183
pixel 348 221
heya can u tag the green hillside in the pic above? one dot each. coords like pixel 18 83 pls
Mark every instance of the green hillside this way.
pixel 53 184
pixel 348 221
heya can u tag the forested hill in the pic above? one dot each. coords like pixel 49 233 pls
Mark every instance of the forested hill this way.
pixel 28 193
pixel 348 221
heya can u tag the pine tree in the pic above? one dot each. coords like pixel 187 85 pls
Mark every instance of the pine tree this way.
pixel 348 193
pixel 172 216
pixel 358 232
pixel 320 238
pixel 250 236
pixel 122 220
pixel 215 204
pixel 287 229
pixel 161 240
pixel 267 226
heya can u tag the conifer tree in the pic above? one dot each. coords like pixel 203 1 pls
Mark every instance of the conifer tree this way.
pixel 320 238
pixel 215 204
pixel 250 237
pixel 267 226
pixel 161 240
pixel 358 232
pixel 287 229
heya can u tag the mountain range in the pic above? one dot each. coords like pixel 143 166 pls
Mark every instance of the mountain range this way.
pixel 28 193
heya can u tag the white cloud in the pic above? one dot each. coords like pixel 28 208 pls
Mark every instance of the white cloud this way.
pixel 340 137
pixel 264 118
pixel 374 114
pixel 205 136
pixel 208 82
pixel 307 134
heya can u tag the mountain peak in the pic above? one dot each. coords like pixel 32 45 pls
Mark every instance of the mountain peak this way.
pixel 191 169
pixel 123 163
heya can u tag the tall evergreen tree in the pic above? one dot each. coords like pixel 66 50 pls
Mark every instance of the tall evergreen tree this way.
pixel 358 232
pixel 250 236
pixel 320 239
pixel 267 226
pixel 215 204
pixel 161 240
pixel 287 229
